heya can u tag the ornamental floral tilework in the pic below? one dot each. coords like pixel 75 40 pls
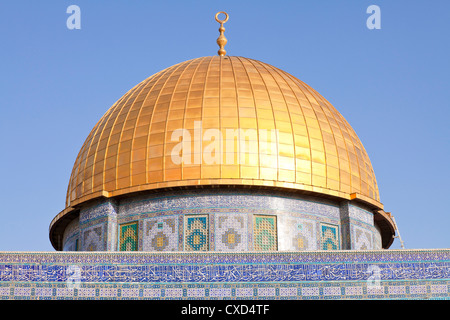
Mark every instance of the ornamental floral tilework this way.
pixel 265 233
pixel 128 239
pixel 93 238
pixel 377 274
pixel 231 232
pixel 329 237
pixel 161 234
pixel 196 233
pixel 71 236
pixel 297 234
pixel 363 239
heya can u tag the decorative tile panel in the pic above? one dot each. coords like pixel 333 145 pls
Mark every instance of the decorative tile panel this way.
pixel 261 200
pixel 265 233
pixel 362 238
pixel 128 238
pixel 71 235
pixel 196 233
pixel 298 220
pixel 402 274
pixel 161 234
pixel 231 232
pixel 329 237
pixel 98 210
pixel 360 214
pixel 297 234
pixel 93 238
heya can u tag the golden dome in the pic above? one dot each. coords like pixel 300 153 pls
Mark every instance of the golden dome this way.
pixel 315 149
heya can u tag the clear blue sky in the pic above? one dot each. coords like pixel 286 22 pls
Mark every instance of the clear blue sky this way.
pixel 391 84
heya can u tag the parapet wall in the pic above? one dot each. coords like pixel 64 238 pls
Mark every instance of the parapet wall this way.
pixel 374 274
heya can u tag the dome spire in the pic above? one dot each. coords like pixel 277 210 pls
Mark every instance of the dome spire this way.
pixel 221 40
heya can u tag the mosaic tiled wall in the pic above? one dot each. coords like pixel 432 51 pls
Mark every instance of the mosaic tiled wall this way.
pixel 386 274
pixel 161 234
pixel 362 230
pixel 101 217
pixel 329 237
pixel 225 221
pixel 93 238
pixel 196 232
pixel 128 239
pixel 71 236
pixel 231 232
pixel 358 231
pixel 265 233
pixel 297 234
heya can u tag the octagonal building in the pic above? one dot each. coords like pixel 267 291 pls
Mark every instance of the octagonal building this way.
pixel 222 153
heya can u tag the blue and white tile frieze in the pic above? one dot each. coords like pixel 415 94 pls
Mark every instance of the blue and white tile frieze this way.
pixel 408 274
pixel 247 268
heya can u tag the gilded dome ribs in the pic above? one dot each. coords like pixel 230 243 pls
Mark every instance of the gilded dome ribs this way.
pixel 131 148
